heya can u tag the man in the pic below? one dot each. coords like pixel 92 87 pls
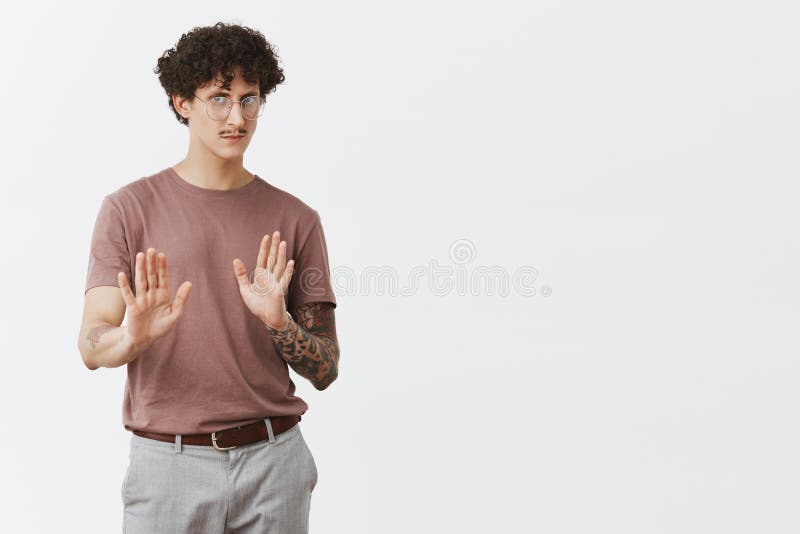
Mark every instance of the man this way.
pixel 216 446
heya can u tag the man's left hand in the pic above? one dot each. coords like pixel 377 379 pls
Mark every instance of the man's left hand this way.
pixel 264 296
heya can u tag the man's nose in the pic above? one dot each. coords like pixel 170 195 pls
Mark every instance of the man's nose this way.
pixel 235 117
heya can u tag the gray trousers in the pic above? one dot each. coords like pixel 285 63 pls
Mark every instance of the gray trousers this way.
pixel 262 487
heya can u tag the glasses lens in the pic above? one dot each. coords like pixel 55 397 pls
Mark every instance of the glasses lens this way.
pixel 252 107
pixel 218 107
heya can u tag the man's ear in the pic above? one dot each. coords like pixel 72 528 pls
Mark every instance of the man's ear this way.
pixel 181 105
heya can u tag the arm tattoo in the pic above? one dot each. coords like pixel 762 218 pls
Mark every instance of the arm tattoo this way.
pixel 95 333
pixel 309 343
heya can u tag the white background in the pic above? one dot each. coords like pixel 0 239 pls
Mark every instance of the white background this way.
pixel 641 156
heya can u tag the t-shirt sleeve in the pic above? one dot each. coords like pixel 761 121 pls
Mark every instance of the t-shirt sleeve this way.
pixel 311 279
pixel 108 251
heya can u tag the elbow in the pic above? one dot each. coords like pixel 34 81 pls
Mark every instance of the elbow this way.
pixel 86 360
pixel 322 386
pixel 330 379
pixel 89 364
pixel 333 374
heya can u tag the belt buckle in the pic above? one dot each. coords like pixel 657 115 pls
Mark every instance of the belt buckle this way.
pixel 214 442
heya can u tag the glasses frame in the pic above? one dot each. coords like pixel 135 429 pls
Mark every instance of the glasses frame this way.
pixel 230 106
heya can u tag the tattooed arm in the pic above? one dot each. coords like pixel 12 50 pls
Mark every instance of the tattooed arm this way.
pixel 308 343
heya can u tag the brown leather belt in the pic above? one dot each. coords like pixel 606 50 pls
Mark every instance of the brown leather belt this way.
pixel 230 438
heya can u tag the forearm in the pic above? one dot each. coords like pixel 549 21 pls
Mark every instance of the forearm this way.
pixel 106 345
pixel 315 357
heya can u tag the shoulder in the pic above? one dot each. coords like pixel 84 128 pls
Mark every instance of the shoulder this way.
pixel 292 205
pixel 136 192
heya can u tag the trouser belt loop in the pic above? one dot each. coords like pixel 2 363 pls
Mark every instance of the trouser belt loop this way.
pixel 269 430
pixel 178 443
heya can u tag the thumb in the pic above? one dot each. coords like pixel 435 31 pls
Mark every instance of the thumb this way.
pixel 241 274
pixel 182 296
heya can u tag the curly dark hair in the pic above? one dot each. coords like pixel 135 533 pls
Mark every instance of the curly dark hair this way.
pixel 208 51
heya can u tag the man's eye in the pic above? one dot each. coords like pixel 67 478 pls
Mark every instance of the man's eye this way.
pixel 219 99
pixel 249 100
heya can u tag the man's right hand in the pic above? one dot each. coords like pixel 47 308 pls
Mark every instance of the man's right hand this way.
pixel 149 313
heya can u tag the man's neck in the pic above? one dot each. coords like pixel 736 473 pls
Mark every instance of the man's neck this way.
pixel 214 174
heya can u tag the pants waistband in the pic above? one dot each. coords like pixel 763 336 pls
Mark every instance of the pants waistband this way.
pixel 230 438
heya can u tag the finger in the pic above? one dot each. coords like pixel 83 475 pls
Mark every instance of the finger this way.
pixel 273 250
pixel 280 266
pixel 152 278
pixel 287 277
pixel 163 277
pixel 140 276
pixel 262 252
pixel 181 297
pixel 241 273
pixel 127 294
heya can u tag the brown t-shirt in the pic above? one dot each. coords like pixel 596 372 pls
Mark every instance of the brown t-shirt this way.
pixel 219 367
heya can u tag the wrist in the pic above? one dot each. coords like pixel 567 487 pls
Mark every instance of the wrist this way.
pixel 133 346
pixel 287 322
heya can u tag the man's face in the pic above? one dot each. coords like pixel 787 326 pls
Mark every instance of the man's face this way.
pixel 214 135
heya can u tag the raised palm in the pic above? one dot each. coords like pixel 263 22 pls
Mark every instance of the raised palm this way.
pixel 150 313
pixel 264 295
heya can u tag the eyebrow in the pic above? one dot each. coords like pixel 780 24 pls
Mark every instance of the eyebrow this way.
pixel 227 93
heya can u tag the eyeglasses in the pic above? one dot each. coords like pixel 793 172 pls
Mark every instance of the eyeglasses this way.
pixel 219 107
